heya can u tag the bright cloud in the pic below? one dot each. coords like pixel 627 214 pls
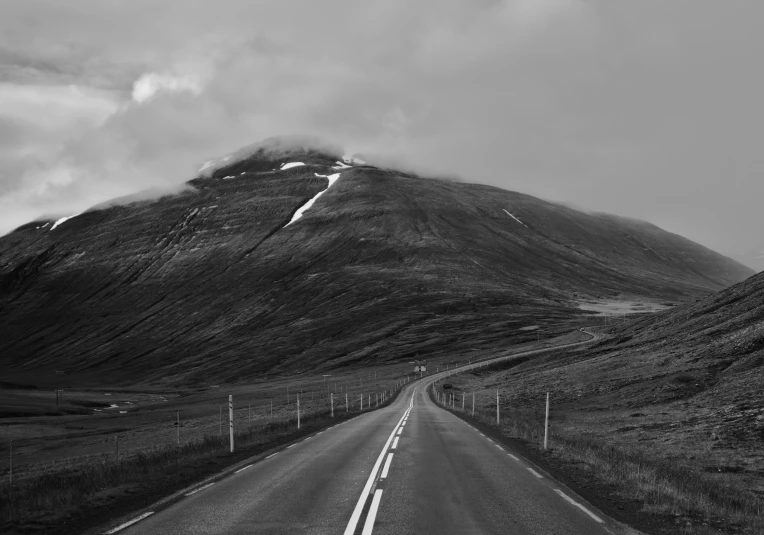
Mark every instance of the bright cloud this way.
pixel 151 84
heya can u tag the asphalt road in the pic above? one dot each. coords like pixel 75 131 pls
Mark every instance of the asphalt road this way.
pixel 442 476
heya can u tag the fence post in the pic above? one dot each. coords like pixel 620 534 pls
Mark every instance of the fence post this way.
pixel 220 420
pixel 249 412
pixel 298 411
pixel 462 401
pixel 331 398
pixel 347 407
pixel 230 419
pixel 546 422
pixel 177 424
pixel 473 404
pixel 497 407
pixel 361 401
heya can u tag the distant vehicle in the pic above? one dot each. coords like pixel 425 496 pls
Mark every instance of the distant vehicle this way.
pixel 420 366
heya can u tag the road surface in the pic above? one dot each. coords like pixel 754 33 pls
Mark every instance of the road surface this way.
pixel 411 467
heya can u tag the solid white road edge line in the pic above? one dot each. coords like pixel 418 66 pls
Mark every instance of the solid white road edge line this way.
pixel 129 523
pixel 573 502
pixel 386 468
pixel 208 485
pixel 291 446
pixel 271 455
pixel 532 471
pixel 515 458
pixel 395 443
pixel 243 468
pixel 369 524
pixel 353 522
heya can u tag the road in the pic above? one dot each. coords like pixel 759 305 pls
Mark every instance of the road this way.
pixel 411 467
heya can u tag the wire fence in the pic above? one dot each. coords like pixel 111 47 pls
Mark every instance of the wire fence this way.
pixel 200 422
pixel 51 486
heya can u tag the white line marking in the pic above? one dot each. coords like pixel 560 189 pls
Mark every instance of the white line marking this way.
pixel 387 466
pixel 395 443
pixel 200 488
pixel 271 455
pixel 243 468
pixel 499 447
pixel 399 430
pixel 129 523
pixel 291 446
pixel 369 525
pixel 515 458
pixel 584 509
pixel 350 529
pixel 532 471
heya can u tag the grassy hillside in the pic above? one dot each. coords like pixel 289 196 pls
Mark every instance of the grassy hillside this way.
pixel 679 391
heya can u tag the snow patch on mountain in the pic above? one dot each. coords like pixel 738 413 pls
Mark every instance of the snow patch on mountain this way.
pixel 298 214
pixel 290 165
pixel 64 220
pixel 513 217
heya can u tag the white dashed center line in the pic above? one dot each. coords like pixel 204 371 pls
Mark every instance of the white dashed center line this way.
pixel 356 516
pixel 387 466
pixel 395 443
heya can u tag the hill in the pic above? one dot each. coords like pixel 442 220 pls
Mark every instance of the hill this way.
pixel 215 284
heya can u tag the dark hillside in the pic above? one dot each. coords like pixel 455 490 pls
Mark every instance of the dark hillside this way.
pixel 685 385
pixel 211 286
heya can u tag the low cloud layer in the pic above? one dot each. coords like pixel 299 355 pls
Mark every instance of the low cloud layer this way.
pixel 646 109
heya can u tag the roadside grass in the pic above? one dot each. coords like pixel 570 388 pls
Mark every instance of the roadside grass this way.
pixel 50 492
pixel 663 487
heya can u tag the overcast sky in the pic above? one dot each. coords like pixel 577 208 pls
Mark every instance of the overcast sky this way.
pixel 644 108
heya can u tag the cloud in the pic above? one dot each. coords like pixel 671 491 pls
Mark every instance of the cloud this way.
pixel 633 108
pixel 151 84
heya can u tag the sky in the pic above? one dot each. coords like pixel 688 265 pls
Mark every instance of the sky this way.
pixel 649 109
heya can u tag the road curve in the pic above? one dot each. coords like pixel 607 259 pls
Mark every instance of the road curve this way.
pixel 411 467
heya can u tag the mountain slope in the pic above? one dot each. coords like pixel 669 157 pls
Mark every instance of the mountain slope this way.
pixel 211 285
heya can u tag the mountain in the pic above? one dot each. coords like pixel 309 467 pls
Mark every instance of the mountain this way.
pixel 216 283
